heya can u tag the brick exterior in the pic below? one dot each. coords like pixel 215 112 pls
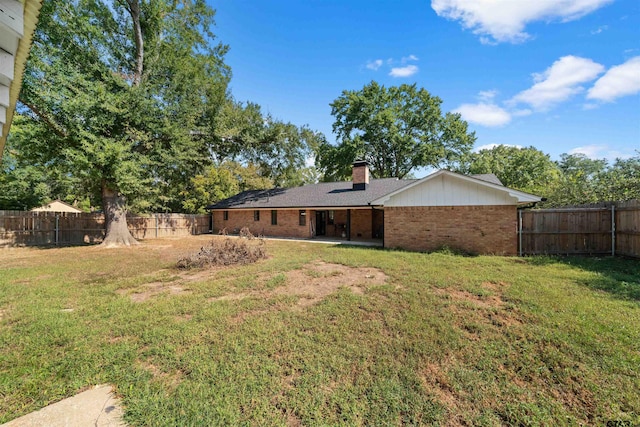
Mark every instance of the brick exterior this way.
pixel 288 223
pixel 477 229
pixel 360 174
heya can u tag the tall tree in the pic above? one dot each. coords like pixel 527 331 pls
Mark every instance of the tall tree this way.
pixel 527 169
pixel 396 129
pixel 124 93
pixel 278 149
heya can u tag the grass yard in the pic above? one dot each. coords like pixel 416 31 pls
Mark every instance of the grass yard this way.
pixel 323 335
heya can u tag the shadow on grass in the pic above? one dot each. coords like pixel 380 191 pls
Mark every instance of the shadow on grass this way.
pixel 616 275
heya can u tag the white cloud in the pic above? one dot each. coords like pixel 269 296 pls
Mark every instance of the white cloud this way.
pixel 406 59
pixel 521 113
pixel 505 20
pixel 374 65
pixel 484 114
pixel 600 151
pixel 487 95
pixel 559 82
pixel 492 146
pixel 599 30
pixel 621 80
pixel 407 71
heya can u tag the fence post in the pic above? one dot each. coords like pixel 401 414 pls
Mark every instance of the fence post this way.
pixel 156 216
pixel 613 230
pixel 520 232
pixel 57 229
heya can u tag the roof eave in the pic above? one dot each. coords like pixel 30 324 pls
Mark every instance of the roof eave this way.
pixel 31 11
pixel 520 196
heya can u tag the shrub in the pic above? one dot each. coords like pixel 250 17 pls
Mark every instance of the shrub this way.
pixel 243 250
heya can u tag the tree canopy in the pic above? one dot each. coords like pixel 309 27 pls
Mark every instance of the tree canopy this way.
pixel 573 180
pixel 526 169
pixel 120 95
pixel 396 129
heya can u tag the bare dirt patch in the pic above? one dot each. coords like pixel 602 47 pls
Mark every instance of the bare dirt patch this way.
pixel 315 281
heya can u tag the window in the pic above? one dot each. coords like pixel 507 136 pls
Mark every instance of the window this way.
pixel 274 217
pixel 256 215
pixel 330 218
pixel 303 217
pixel 225 215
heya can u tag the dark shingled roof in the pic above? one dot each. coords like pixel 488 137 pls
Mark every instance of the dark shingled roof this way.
pixel 323 195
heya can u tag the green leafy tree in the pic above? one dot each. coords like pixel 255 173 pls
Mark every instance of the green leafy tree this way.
pixel 26 183
pixel 222 181
pixel 123 94
pixel 278 149
pixel 621 182
pixel 396 129
pixel 526 169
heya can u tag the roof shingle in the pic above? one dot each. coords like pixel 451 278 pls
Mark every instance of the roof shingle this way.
pixel 323 195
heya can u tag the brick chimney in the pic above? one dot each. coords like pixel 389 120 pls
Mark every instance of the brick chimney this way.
pixel 360 174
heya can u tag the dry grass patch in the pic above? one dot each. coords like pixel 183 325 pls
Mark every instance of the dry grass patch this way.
pixel 314 282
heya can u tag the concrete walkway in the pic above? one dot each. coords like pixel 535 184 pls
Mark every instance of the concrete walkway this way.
pixel 95 407
pixel 330 241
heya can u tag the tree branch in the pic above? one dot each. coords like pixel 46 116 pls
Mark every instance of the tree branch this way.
pixel 52 125
pixel 134 11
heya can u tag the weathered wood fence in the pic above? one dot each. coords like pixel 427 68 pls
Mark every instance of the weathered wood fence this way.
pixel 605 229
pixel 26 228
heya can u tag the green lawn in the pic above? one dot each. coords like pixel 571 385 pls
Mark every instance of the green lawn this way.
pixel 446 339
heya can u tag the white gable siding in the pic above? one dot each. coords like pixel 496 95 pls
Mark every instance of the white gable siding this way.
pixel 447 190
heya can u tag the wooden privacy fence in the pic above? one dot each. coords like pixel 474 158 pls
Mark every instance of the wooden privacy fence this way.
pixel 20 228
pixel 606 229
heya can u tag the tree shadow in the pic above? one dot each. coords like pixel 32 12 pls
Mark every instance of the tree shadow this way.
pixel 618 276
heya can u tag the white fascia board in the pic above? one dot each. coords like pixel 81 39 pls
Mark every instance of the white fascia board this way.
pixel 12 16
pixel 3 115
pixel 520 196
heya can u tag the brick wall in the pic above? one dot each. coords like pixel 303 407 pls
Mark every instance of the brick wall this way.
pixel 478 229
pixel 288 223
pixel 361 224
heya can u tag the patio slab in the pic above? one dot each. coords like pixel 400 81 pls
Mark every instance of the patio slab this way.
pixel 95 407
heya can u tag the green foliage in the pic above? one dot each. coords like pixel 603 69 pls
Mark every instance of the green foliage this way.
pixel 395 129
pixel 113 112
pixel 587 180
pixel 27 182
pixel 219 182
pixel 526 169
pixel 279 150
pixel 574 180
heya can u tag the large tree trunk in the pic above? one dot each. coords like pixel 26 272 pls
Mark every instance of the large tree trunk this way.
pixel 115 215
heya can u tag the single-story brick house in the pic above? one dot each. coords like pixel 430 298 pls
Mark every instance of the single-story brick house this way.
pixel 473 213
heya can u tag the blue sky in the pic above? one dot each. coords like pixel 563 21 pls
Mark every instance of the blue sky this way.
pixel 560 75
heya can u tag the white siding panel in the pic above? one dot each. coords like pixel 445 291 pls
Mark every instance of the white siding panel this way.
pixel 446 190
pixel 12 16
pixel 4 95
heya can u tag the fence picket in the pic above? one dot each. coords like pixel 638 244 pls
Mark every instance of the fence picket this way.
pixel 26 228
pixel 607 228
